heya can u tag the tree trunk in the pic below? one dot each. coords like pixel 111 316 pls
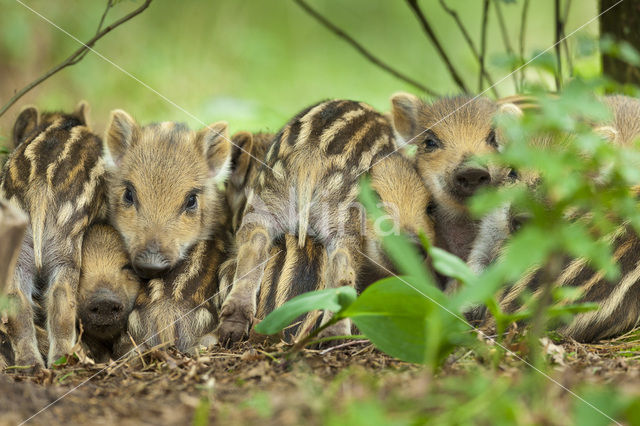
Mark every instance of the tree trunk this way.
pixel 622 22
pixel 13 224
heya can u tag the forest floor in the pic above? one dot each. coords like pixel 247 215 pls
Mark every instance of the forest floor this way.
pixel 349 384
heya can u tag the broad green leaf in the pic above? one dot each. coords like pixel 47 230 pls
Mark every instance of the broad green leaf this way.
pixel 331 299
pixel 451 265
pixel 577 308
pixel 401 252
pixel 395 316
pixel 598 406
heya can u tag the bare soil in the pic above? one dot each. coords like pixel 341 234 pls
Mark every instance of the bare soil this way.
pixel 258 384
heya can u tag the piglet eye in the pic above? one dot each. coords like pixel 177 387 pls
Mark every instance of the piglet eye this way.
pixel 517 221
pixel 431 143
pixel 491 139
pixel 127 197
pixel 513 174
pixel 192 202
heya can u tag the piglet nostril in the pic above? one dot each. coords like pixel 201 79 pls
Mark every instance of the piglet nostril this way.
pixel 150 263
pixel 469 179
pixel 105 310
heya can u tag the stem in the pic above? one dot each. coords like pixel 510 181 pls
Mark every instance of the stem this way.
pixel 558 46
pixel 463 30
pixel 538 322
pixel 332 338
pixel 505 40
pixel 304 342
pixel 483 43
pixel 413 4
pixel 364 52
pixel 78 54
pixel 523 33
pixel 565 40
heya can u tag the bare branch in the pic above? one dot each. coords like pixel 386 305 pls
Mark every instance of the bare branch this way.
pixel 346 37
pixel 483 42
pixel 78 54
pixel 523 32
pixel 472 46
pixel 104 15
pixel 558 47
pixel 413 4
pixel 505 40
pixel 565 39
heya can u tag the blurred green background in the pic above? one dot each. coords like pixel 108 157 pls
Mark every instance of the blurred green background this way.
pixel 253 63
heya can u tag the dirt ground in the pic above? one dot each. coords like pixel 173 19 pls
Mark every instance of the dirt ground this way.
pixel 257 384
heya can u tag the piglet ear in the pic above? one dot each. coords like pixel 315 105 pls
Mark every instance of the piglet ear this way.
pixel 607 132
pixel 240 157
pixel 26 123
pixel 82 111
pixel 215 144
pixel 510 109
pixel 404 110
pixel 122 132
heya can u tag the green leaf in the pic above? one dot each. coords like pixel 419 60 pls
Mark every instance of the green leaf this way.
pixel 450 265
pixel 598 406
pixel 60 361
pixel 578 308
pixel 400 251
pixel 332 299
pixel 396 317
pixel 201 412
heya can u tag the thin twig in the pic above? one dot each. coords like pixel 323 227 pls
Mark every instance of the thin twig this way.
pixel 558 47
pixel 368 55
pixel 463 30
pixel 523 33
pixel 505 40
pixel 413 4
pixel 483 43
pixel 77 55
pixel 343 345
pixel 565 39
pixel 104 15
pixel 137 348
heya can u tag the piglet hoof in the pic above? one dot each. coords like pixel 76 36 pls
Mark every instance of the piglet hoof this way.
pixel 208 340
pixel 235 321
pixel 29 365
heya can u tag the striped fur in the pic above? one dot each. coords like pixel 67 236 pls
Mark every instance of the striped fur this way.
pixel 624 127
pixel 448 134
pixel 247 151
pixel 167 203
pixel 181 307
pixel 106 278
pixel 310 189
pixel 56 175
pixel 618 300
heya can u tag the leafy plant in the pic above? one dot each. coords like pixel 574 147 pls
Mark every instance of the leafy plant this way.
pixel 410 318
pixel 405 316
